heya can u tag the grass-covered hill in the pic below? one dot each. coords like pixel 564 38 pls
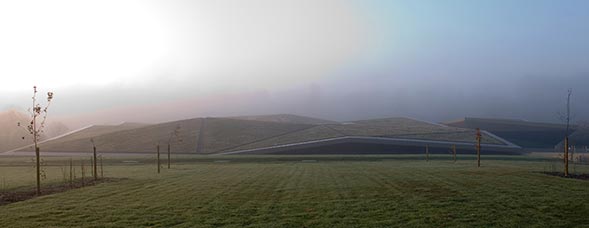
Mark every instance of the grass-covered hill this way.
pixel 222 135
pixel 402 128
pixel 523 133
pixel 200 135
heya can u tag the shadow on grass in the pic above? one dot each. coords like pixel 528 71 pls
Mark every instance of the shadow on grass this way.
pixel 572 176
pixel 25 194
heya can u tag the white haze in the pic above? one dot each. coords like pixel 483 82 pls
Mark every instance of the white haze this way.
pixel 149 61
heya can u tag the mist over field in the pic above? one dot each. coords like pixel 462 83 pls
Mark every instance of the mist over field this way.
pixel 529 98
pixel 338 60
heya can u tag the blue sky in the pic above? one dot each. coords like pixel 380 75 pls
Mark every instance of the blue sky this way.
pixel 512 37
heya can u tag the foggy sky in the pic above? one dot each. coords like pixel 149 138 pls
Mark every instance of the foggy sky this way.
pixel 340 60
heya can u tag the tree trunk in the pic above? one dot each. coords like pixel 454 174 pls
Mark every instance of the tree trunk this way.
pixel 37 155
pixel 168 156
pixel 479 153
pixel 566 156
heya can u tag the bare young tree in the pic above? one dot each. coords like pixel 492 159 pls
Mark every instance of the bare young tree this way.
pixel 35 128
pixel 174 135
pixel 566 118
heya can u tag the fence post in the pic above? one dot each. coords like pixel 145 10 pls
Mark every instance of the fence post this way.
pixel 454 152
pixel 427 153
pixel 158 158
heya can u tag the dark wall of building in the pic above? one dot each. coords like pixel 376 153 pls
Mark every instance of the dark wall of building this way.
pixel 532 139
pixel 522 133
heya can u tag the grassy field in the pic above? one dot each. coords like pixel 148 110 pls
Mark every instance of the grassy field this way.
pixel 302 191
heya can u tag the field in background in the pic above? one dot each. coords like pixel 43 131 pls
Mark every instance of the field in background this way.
pixel 298 191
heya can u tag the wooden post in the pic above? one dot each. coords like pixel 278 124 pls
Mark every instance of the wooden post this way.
pixel 479 136
pixel 95 165
pixel 427 153
pixel 566 156
pixel 454 152
pixel 37 155
pixel 158 158
pixel 168 155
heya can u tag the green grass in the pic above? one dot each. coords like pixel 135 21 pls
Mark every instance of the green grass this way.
pixel 333 191
pixel 219 134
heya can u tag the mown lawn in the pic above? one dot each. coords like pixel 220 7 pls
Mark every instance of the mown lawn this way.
pixel 375 192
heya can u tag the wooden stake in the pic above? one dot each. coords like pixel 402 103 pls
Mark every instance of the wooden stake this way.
pixel 158 158
pixel 427 153
pixel 454 152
